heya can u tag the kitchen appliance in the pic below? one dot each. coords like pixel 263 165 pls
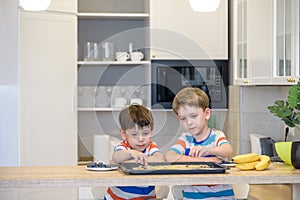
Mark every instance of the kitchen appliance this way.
pixel 262 145
pixel 170 76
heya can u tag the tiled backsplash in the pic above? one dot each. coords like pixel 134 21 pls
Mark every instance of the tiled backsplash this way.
pixel 248 114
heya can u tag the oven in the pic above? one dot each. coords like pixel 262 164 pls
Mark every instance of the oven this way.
pixel 170 76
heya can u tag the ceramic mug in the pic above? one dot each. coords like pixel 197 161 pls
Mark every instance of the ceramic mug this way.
pixel 136 56
pixel 122 56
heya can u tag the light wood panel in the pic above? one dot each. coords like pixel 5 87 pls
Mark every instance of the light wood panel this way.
pixel 14 177
pixel 270 192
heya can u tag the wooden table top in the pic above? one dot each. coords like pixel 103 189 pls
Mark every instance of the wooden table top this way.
pixel 78 176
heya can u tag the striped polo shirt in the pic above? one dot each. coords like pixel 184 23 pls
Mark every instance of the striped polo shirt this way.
pixel 132 192
pixel 212 192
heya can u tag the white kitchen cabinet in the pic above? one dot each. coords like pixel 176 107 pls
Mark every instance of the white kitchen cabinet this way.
pixel 241 69
pixel 177 32
pixel 47 71
pixel 286 64
pixel 265 42
pixel 38 53
pixel 253 42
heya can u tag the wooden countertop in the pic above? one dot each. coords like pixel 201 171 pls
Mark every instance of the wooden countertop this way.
pixel 78 176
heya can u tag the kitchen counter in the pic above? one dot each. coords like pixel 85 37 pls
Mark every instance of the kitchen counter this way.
pixel 78 176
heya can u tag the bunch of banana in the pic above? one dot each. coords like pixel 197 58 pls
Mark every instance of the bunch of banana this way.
pixel 251 161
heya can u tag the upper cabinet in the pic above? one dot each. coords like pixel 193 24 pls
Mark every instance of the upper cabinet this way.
pixel 68 6
pixel 286 66
pixel 265 42
pixel 177 32
pixel 253 28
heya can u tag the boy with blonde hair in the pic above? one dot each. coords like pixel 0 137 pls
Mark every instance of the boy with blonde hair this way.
pixel 199 143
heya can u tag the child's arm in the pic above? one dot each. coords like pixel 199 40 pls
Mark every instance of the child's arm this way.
pixel 157 157
pixel 129 156
pixel 224 150
pixel 136 156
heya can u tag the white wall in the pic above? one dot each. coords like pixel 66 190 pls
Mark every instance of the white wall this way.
pixel 9 98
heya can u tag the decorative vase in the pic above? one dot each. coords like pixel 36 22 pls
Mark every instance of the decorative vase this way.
pixel 295 154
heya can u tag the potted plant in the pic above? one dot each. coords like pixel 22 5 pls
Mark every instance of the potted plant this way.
pixel 289 112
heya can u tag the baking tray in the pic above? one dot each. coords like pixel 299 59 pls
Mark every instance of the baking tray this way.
pixel 213 168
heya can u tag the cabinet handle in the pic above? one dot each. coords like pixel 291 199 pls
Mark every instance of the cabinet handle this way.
pixel 246 81
pixel 153 55
pixel 291 80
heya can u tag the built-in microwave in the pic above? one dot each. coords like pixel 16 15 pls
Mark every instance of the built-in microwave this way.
pixel 170 76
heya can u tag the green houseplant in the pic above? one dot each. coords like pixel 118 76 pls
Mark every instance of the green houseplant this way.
pixel 289 112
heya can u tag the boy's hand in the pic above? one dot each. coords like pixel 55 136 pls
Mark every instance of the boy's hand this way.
pixel 199 151
pixel 139 157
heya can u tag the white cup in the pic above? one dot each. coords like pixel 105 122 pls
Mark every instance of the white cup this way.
pixel 136 56
pixel 122 56
pixel 119 102
pixel 136 101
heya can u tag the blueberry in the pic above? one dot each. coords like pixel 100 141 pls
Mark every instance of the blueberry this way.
pixel 101 165
pixel 92 165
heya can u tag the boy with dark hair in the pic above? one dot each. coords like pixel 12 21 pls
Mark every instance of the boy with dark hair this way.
pixel 136 123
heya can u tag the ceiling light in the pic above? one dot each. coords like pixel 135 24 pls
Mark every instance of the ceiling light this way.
pixel 35 5
pixel 205 5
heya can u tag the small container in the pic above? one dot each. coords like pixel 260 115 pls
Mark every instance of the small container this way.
pixel 96 55
pixel 88 51
pixel 108 51
pixel 130 48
